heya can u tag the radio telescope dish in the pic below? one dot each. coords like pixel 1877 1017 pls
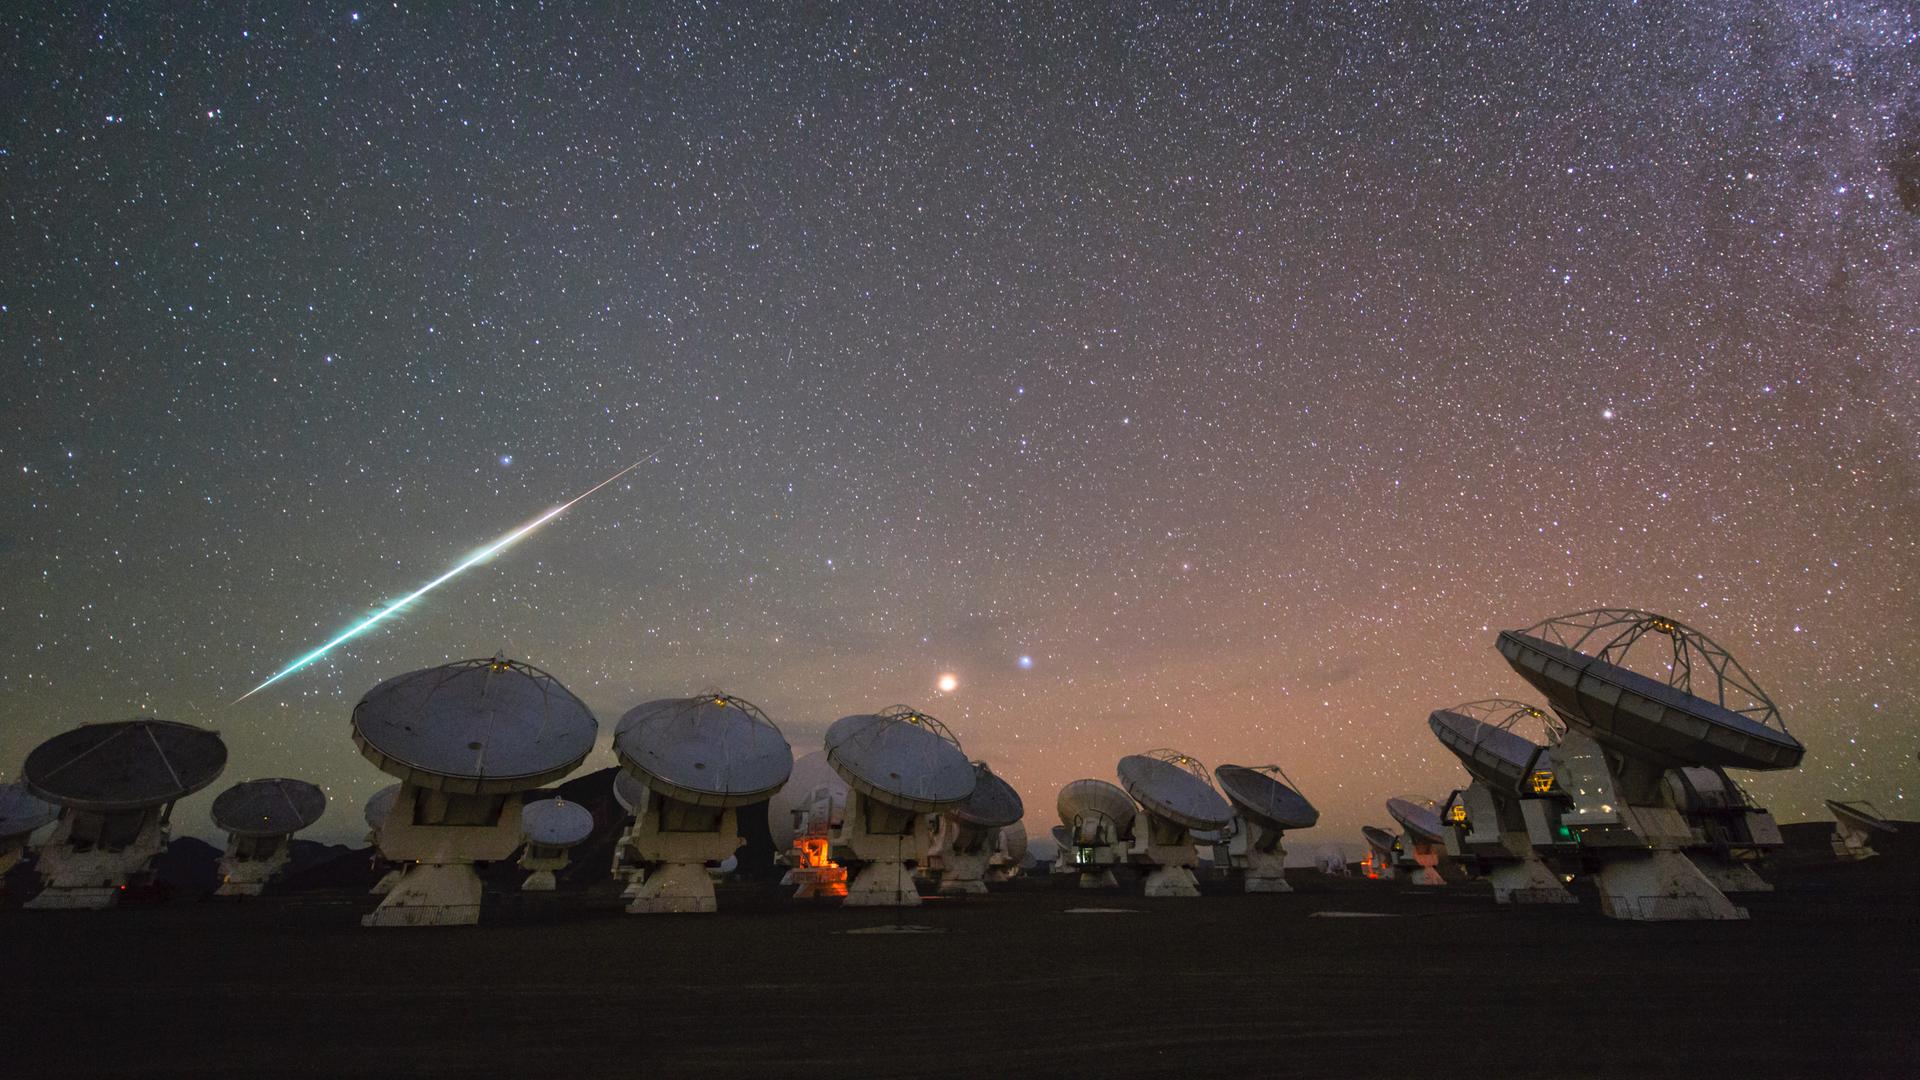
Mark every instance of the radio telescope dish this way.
pixel 1643 694
pixel 969 833
pixel 1704 709
pixel 803 817
pixel 901 765
pixel 1178 798
pixel 1262 794
pixel 277 807
pixel 711 750
pixel 1423 836
pixel 379 805
pixel 1382 849
pixel 902 758
pixel 1097 818
pixel 1269 806
pixel 21 813
pixel 464 739
pixel 475 726
pixel 552 826
pixel 1856 823
pixel 701 758
pixel 1481 734
pixel 1419 817
pixel 1496 823
pixel 259 817
pixel 629 791
pixel 125 765
pixel 1009 852
pixel 1173 786
pixel 115 784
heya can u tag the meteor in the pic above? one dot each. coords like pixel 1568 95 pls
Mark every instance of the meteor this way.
pixel 474 559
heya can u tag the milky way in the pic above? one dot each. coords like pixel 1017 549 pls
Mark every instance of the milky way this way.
pixel 1220 380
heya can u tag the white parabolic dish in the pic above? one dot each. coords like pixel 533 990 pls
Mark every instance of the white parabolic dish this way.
pixel 1862 815
pixel 124 765
pixel 1264 799
pixel 276 807
pixel 378 805
pixel 629 791
pixel 475 726
pixel 21 812
pixel 555 822
pixel 1169 791
pixel 1419 817
pixel 993 805
pixel 900 759
pixel 1095 798
pixel 711 750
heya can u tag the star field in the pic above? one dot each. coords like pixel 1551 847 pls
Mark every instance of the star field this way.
pixel 1217 378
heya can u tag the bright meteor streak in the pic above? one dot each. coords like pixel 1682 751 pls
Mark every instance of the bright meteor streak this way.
pixel 474 559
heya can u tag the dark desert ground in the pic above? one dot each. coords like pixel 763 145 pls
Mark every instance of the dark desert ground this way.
pixel 1820 982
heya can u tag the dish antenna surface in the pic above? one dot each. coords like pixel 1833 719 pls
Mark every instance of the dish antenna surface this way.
pixel 115 785
pixel 631 795
pixel 464 739
pixel 378 806
pixel 1422 836
pixel 1268 806
pixel 803 818
pixel 968 835
pixel 1010 853
pixel 1383 850
pixel 260 818
pixel 901 765
pixel 700 758
pixel 1503 821
pixel 1097 818
pixel 552 827
pixel 1855 824
pixel 1642 694
pixel 1176 797
pixel 21 814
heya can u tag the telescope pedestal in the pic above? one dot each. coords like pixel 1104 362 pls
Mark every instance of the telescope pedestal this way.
pixel 430 894
pixel 241 875
pixel 543 861
pixel 1729 875
pixel 437 837
pixel 676 858
pixel 1527 880
pixel 1851 843
pixel 1098 878
pixel 960 858
pixel 1423 861
pixel 1266 860
pixel 1644 875
pixel 884 839
pixel 675 888
pixel 93 878
pixel 1169 849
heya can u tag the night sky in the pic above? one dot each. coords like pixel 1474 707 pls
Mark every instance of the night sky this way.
pixel 1244 370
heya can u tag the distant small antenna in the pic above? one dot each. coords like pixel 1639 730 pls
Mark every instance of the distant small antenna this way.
pixel 260 818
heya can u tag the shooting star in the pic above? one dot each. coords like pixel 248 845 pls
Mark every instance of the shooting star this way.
pixel 472 560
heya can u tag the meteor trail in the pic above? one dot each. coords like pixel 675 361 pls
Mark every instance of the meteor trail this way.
pixel 474 559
